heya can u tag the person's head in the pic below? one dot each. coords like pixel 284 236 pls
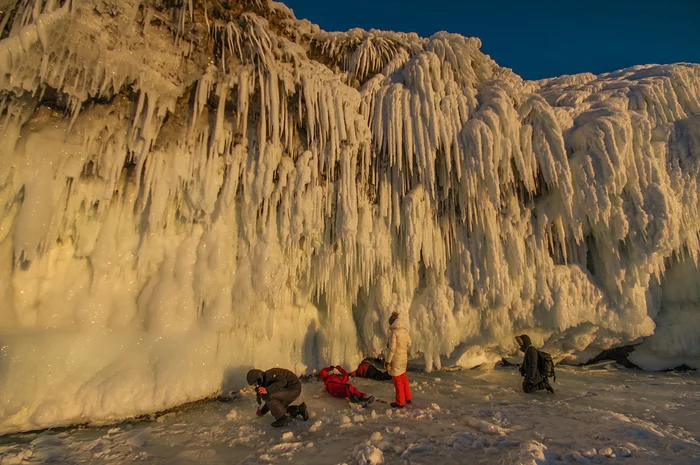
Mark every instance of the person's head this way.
pixel 254 377
pixel 394 316
pixel 327 372
pixel 523 341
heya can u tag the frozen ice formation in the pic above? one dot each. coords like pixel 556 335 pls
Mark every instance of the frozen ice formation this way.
pixel 190 189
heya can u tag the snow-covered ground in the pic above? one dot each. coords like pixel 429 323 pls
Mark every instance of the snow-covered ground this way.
pixel 599 414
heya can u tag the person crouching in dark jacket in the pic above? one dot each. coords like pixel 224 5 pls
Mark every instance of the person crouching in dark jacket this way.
pixel 534 381
pixel 278 388
pixel 367 370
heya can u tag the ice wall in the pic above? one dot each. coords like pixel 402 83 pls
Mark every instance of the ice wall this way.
pixel 190 189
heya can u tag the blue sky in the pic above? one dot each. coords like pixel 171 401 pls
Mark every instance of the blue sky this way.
pixel 539 38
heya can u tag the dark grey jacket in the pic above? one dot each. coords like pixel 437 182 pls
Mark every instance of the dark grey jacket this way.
pixel 530 368
pixel 277 379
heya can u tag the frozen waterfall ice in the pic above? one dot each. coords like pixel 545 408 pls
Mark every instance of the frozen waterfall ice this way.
pixel 189 191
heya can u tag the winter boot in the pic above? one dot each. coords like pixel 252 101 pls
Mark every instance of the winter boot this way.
pixel 282 421
pixel 395 405
pixel 304 412
pixel 367 400
pixel 408 402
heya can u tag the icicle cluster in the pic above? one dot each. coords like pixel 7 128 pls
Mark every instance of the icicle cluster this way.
pixel 189 191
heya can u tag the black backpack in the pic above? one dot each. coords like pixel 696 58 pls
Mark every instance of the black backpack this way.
pixel 546 365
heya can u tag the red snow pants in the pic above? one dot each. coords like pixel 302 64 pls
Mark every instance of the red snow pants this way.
pixel 403 390
pixel 342 390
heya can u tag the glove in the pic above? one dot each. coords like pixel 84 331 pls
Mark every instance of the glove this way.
pixel 262 391
pixel 337 367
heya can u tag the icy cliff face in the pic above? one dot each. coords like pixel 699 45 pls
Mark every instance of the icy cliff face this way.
pixel 190 189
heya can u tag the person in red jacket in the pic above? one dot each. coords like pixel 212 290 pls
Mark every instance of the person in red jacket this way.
pixel 337 385
pixel 367 370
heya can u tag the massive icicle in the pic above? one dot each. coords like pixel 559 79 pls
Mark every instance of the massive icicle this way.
pixel 189 191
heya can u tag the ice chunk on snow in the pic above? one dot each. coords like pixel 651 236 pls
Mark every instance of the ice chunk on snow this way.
pixel 136 438
pixel 485 427
pixel 416 448
pixel 532 453
pixel 575 457
pixel 18 458
pixel 288 436
pixel 367 455
pixel 316 426
pixel 461 440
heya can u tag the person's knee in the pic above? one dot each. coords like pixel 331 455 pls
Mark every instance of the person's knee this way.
pixel 276 408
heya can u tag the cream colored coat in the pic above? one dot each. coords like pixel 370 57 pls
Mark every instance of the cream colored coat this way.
pixel 399 342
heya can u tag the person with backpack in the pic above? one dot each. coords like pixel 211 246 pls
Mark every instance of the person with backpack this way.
pixel 278 388
pixel 534 372
pixel 338 386
pixel 396 362
pixel 367 370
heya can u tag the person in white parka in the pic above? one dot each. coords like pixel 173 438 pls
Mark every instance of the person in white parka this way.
pixel 399 342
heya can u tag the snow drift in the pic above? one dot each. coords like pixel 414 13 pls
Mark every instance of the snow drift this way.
pixel 189 189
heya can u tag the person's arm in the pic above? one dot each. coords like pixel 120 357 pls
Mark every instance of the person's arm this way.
pixel 324 373
pixel 343 372
pixel 392 348
pixel 279 382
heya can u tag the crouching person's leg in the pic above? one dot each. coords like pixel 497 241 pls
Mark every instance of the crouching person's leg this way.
pixel 279 411
pixel 281 408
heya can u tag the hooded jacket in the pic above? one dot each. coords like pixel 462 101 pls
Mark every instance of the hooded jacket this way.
pixel 530 368
pixel 274 380
pixel 399 342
